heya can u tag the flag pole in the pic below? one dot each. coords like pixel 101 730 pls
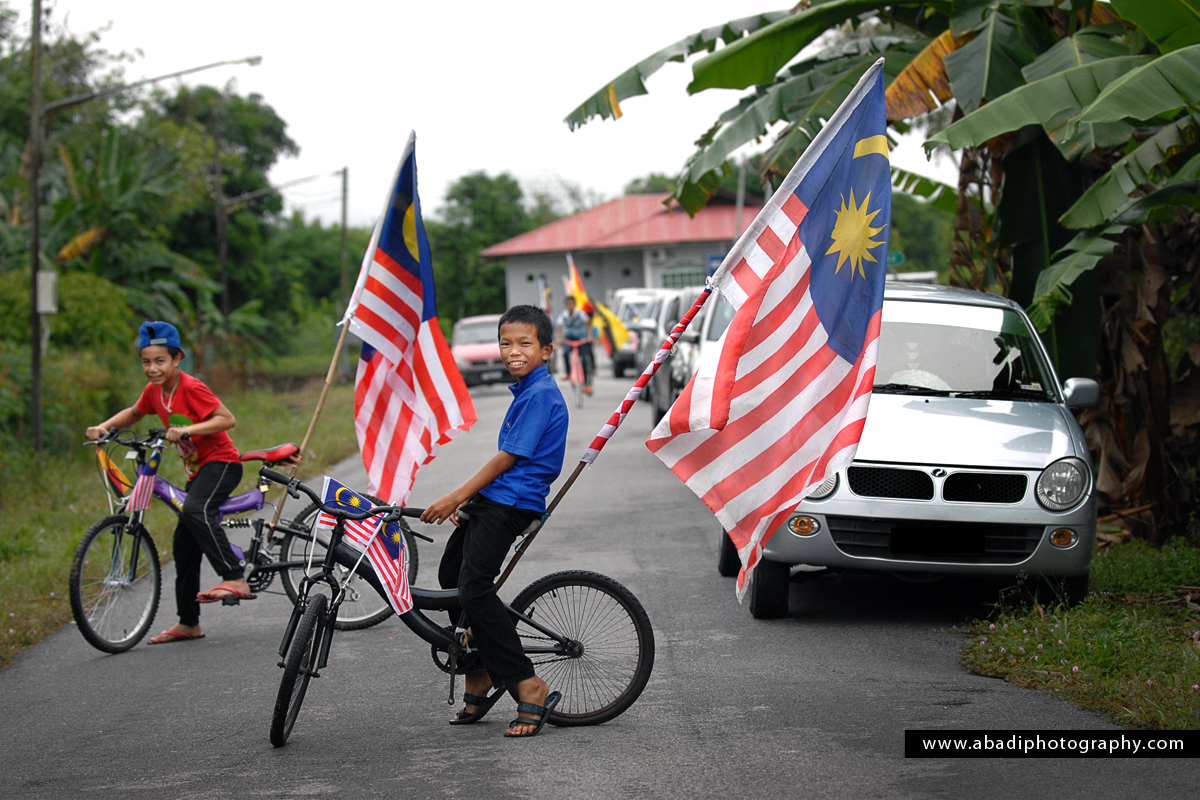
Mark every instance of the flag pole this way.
pixel 610 427
pixel 337 352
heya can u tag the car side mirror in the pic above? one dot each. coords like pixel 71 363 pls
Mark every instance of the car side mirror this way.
pixel 1081 392
pixel 691 336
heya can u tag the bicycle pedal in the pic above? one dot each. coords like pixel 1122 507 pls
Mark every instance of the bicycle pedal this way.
pixel 231 600
pixel 279 663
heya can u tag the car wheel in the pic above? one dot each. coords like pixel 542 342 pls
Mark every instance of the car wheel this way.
pixel 769 589
pixel 728 563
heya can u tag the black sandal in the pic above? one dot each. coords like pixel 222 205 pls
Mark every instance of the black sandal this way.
pixel 543 713
pixel 482 706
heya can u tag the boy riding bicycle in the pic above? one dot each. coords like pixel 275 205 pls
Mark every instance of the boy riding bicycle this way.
pixel 574 325
pixel 197 423
pixel 494 507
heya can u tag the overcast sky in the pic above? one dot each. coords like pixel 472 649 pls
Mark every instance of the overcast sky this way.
pixel 485 85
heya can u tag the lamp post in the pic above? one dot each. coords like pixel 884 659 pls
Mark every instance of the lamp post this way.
pixel 39 119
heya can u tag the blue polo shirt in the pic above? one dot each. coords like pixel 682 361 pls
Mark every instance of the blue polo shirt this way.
pixel 535 431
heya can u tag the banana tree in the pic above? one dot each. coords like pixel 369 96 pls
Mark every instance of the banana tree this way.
pixel 1066 112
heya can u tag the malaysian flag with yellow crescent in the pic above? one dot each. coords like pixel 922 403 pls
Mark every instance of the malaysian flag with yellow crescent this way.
pixel 780 403
pixel 385 549
pixel 409 397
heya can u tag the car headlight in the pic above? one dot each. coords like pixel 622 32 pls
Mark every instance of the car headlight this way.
pixel 825 489
pixel 1062 484
pixel 463 364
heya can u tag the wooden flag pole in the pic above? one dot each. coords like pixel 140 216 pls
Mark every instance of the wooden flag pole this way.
pixel 329 376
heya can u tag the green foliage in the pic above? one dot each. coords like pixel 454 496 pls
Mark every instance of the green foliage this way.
pixel 480 211
pixel 923 233
pixel 653 183
pixel 1125 652
pixel 93 313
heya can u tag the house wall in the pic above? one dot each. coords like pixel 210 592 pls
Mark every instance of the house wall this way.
pixel 605 271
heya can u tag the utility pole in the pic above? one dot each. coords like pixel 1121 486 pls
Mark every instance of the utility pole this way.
pixel 345 272
pixel 35 203
pixel 222 217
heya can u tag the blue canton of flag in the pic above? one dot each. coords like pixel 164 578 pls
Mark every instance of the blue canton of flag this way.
pixel 385 549
pixel 781 402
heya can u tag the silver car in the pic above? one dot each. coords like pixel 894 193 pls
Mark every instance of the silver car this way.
pixel 971 462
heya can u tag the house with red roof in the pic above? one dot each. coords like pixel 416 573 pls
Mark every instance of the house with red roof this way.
pixel 629 242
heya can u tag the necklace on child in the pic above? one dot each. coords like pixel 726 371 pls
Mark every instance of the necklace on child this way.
pixel 167 398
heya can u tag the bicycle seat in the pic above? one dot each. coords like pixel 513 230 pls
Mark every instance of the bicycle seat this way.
pixel 272 455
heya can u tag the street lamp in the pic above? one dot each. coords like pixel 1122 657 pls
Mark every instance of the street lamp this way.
pixel 40 117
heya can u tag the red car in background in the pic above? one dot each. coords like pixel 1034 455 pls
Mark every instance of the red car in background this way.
pixel 475 345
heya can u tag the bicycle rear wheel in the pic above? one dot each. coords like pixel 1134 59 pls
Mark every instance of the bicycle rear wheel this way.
pixel 298 669
pixel 363 606
pixel 610 654
pixel 115 584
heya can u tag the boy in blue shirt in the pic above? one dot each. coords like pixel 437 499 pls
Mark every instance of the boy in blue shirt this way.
pixel 498 503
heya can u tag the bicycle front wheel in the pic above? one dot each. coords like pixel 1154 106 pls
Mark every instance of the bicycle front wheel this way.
pixel 115 584
pixel 609 655
pixel 363 606
pixel 298 668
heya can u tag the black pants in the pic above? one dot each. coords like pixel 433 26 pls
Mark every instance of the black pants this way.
pixel 199 533
pixel 473 558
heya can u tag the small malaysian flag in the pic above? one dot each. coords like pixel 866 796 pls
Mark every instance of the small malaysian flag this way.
pixel 385 549
pixel 781 402
pixel 409 396
pixel 143 487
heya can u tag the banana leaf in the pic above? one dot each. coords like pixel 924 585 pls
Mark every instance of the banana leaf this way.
pixel 1166 84
pixel 1146 164
pixel 923 86
pixel 757 58
pixel 1084 47
pixel 606 102
pixel 1048 102
pixel 1170 24
pixel 937 195
pixel 1084 251
pixel 989 66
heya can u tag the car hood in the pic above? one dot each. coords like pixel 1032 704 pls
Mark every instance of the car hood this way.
pixel 476 352
pixel 966 432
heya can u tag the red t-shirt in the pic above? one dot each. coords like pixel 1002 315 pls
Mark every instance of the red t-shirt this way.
pixel 191 402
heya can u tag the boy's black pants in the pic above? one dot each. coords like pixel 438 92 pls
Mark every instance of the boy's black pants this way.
pixel 474 555
pixel 199 533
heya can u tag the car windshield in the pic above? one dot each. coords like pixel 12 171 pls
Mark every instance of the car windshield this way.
pixel 959 350
pixel 634 310
pixel 475 333
pixel 722 316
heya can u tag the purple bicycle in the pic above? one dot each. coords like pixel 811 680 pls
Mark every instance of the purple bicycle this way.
pixel 116 578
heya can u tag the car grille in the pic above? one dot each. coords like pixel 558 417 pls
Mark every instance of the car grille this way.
pixel 907 484
pixel 486 363
pixel 984 487
pixel 902 540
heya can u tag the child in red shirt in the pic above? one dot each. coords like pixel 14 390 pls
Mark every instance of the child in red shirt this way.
pixel 189 409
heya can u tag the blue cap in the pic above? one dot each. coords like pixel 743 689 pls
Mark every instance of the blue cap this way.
pixel 158 333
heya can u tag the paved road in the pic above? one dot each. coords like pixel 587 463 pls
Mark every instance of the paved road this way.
pixel 814 705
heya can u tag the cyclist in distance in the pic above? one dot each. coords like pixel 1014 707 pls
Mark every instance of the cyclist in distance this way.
pixel 196 423
pixel 574 324
pixel 492 509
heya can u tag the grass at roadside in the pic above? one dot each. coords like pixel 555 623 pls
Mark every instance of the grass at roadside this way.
pixel 1131 651
pixel 46 504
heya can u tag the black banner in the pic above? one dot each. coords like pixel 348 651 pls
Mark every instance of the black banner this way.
pixel 1051 744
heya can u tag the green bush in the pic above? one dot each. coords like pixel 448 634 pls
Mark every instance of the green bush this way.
pixel 93 313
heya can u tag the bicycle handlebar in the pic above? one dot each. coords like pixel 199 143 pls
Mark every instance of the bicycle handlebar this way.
pixel 294 487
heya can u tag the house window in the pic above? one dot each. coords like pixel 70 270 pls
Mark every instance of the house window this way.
pixel 683 276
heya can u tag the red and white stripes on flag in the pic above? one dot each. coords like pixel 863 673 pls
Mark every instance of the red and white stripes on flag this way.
pixel 409 395
pixel 143 492
pixel 780 403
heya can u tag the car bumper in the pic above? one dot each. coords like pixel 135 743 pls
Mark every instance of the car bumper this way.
pixel 473 376
pixel 903 536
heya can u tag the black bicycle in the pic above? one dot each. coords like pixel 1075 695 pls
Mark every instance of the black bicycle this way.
pixel 587 635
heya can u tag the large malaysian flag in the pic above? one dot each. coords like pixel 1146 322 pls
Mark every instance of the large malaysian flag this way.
pixel 780 402
pixel 409 396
